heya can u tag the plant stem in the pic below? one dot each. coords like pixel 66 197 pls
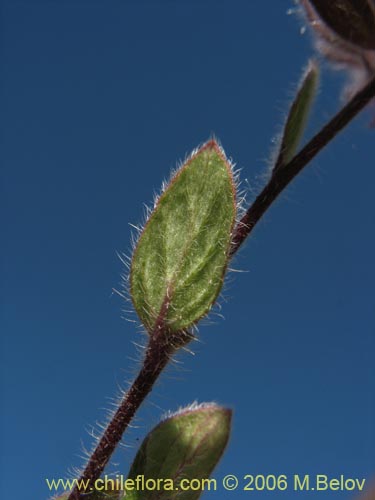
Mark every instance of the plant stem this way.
pixel 282 176
pixel 158 352
pixel 162 345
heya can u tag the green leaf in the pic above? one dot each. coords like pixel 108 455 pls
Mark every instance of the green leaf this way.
pixel 297 118
pixel 185 446
pixel 179 262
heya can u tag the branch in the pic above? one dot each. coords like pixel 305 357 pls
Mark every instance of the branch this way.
pixel 283 176
pixel 161 346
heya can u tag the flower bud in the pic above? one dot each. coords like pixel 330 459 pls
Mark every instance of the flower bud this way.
pixel 345 36
pixel 353 20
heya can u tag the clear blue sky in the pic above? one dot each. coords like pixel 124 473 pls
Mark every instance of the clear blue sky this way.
pixel 100 100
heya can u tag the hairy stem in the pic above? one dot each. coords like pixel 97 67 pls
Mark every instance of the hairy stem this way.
pixel 161 345
pixel 158 352
pixel 281 177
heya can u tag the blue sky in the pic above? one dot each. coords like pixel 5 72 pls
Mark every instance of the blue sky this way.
pixel 100 100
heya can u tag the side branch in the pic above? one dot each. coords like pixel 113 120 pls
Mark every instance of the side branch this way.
pixel 284 175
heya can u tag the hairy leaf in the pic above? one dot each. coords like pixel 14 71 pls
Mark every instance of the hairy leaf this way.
pixel 179 262
pixel 187 445
pixel 297 118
